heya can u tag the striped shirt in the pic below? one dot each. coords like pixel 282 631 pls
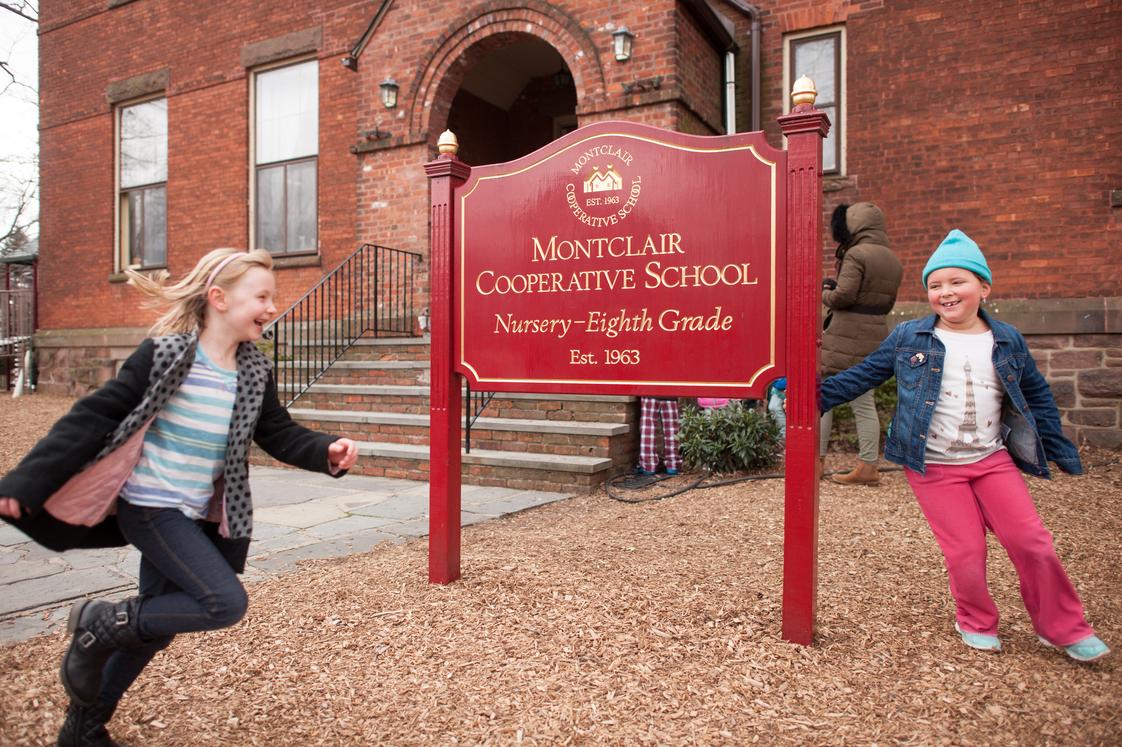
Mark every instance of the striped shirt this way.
pixel 185 447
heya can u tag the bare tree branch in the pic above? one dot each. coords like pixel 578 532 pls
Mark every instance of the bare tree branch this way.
pixel 19 177
pixel 4 66
pixel 23 9
pixel 18 196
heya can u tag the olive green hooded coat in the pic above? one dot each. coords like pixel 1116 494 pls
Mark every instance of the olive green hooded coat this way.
pixel 868 281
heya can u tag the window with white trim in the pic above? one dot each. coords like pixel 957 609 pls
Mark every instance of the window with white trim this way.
pixel 286 149
pixel 820 55
pixel 142 158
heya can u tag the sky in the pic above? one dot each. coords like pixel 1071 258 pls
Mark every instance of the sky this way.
pixel 19 110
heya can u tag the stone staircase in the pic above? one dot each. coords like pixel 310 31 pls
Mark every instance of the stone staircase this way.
pixel 378 393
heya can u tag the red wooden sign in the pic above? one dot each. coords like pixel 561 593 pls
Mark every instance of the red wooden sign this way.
pixel 624 259
pixel 627 259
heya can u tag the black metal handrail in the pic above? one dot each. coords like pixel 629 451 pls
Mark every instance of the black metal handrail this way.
pixel 474 405
pixel 372 290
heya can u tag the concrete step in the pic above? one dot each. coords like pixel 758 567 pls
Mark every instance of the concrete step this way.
pixel 414 399
pixel 511 469
pixel 366 348
pixel 374 372
pixel 491 458
pixel 366 342
pixel 389 365
pixel 568 438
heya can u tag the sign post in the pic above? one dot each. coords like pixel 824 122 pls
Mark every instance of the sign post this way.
pixel 805 127
pixel 445 396
pixel 626 259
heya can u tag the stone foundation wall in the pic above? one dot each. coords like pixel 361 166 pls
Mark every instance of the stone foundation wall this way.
pixel 1085 374
pixel 75 362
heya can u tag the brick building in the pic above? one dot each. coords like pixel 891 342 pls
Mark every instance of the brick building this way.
pixel 168 129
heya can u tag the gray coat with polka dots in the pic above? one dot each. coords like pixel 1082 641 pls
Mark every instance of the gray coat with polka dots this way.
pixel 99 424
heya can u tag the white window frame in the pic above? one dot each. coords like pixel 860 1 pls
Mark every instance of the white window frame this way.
pixel 842 89
pixel 252 207
pixel 120 256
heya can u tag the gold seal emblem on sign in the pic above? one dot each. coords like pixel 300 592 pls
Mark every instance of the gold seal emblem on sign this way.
pixel 608 181
pixel 603 188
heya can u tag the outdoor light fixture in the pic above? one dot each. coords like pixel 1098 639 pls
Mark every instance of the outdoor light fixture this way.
pixel 389 93
pixel 621 43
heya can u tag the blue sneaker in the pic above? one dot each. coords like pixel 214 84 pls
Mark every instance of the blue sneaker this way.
pixel 980 641
pixel 671 472
pixel 1089 649
pixel 644 472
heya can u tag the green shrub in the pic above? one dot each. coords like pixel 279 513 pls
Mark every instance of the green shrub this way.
pixel 728 439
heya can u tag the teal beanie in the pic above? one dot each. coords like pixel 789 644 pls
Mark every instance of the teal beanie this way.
pixel 958 250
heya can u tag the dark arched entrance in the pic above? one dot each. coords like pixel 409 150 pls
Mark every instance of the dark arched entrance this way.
pixel 517 96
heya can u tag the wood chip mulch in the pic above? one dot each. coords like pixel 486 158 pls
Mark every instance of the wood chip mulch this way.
pixel 592 621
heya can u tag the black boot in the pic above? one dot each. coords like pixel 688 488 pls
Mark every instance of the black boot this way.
pixel 85 726
pixel 97 628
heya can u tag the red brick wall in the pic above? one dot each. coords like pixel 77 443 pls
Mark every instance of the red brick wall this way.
pixel 996 118
pixel 700 70
pixel 83 49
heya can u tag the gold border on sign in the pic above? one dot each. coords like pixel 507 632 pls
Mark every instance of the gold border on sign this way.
pixel 750 147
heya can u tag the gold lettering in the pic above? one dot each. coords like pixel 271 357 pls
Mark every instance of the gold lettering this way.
pixel 611 326
pixel 671 242
pixel 672 320
pixel 696 276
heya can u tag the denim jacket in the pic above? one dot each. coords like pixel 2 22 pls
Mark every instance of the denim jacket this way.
pixel 1030 422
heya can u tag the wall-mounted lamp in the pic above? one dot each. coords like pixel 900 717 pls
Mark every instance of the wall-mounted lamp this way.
pixel 423 322
pixel 389 93
pixel 621 43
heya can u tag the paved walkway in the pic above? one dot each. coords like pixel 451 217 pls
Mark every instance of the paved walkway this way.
pixel 297 516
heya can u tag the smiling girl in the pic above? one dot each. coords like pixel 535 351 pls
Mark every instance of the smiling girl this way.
pixel 157 458
pixel 972 410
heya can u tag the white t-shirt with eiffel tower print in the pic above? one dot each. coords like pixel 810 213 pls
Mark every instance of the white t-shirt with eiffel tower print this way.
pixel 966 426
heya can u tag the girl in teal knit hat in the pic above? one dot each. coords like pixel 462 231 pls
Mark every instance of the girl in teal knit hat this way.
pixel 973 411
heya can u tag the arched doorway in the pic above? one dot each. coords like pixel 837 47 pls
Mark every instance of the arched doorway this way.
pixel 517 95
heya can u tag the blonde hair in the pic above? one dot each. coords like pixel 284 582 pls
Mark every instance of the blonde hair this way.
pixel 185 301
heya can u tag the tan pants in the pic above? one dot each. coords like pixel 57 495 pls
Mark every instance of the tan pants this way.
pixel 868 427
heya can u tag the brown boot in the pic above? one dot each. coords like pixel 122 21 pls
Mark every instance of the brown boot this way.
pixel 865 473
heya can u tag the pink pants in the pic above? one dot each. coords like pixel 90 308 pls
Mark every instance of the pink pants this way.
pixel 960 503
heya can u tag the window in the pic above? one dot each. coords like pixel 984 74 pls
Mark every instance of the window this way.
pixel 820 55
pixel 142 157
pixel 286 145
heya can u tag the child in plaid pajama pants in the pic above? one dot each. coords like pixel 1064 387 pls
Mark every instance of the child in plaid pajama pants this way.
pixel 666 410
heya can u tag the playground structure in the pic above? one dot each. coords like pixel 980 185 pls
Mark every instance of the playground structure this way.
pixel 17 321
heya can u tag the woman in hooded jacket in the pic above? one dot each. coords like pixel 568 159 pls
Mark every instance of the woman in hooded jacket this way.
pixel 858 303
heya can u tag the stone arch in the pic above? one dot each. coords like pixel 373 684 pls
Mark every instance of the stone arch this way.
pixel 478 32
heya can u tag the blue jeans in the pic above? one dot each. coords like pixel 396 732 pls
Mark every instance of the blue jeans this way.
pixel 185 583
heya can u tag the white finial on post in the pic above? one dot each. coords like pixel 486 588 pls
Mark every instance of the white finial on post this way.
pixel 448 144
pixel 804 92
